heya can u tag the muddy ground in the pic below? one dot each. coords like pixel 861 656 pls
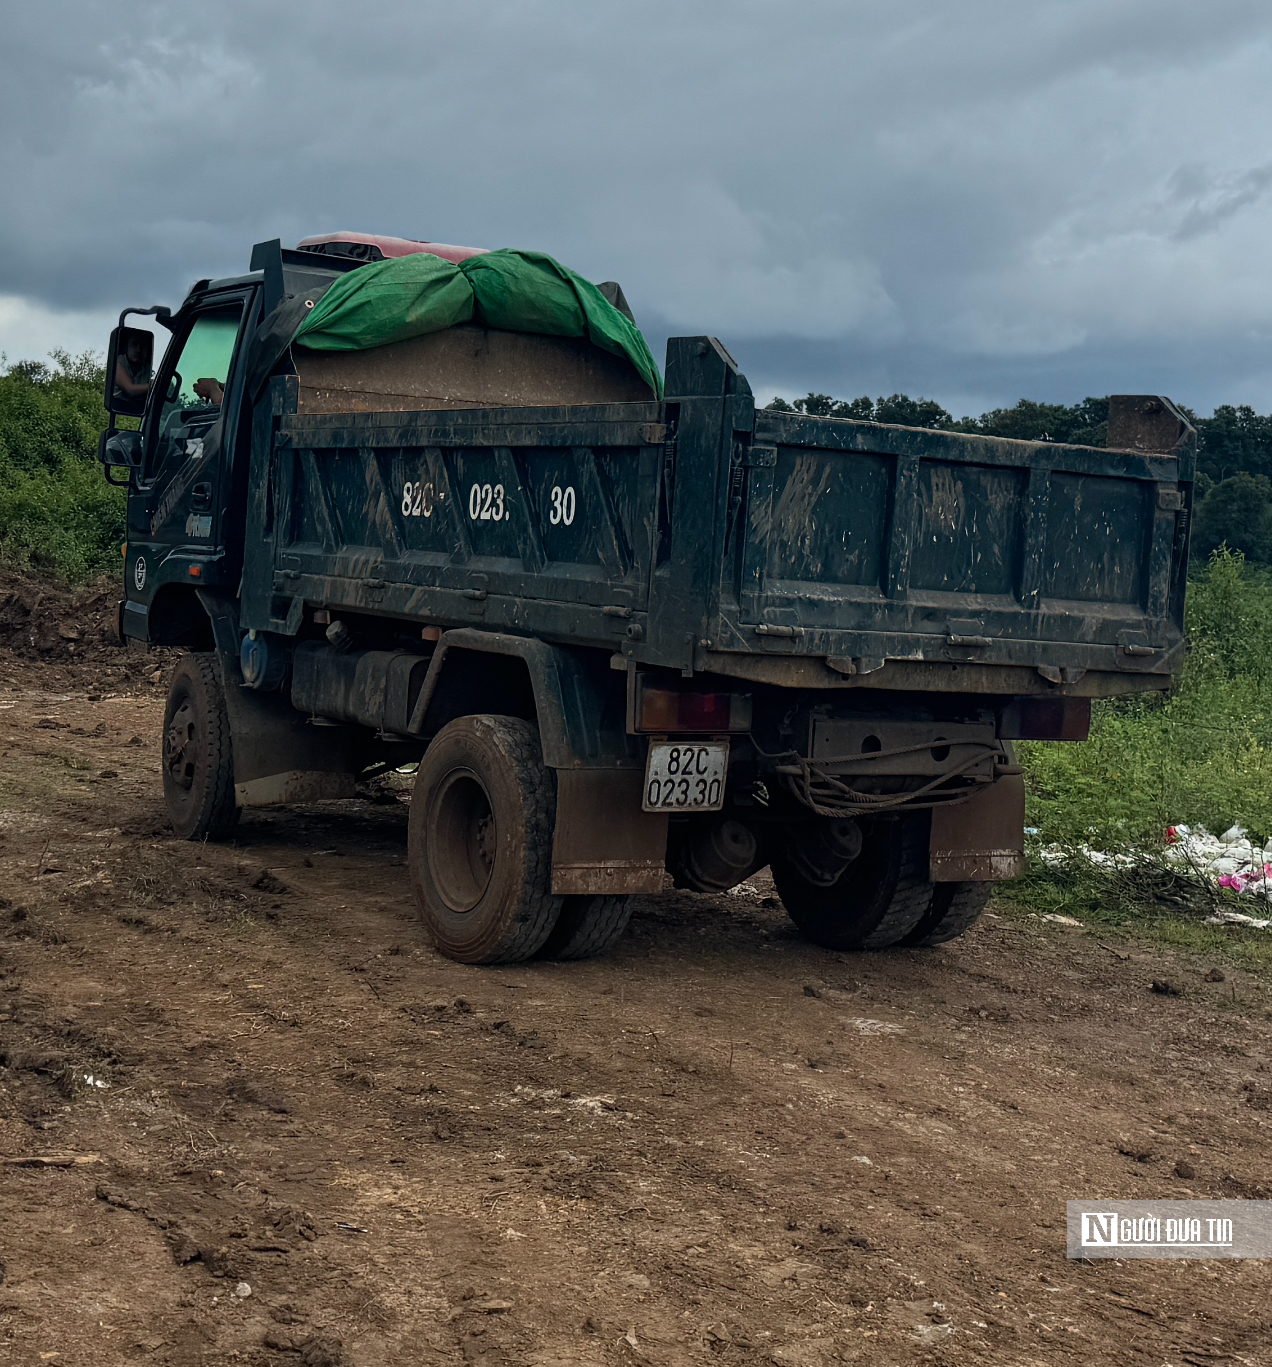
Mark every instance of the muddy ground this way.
pixel 718 1145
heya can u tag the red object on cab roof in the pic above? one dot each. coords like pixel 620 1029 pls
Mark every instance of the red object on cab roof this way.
pixel 390 247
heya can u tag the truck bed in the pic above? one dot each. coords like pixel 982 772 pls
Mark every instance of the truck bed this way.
pixel 702 534
pixel 867 543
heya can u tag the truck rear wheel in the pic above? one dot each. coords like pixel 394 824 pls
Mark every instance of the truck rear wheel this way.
pixel 198 755
pixel 878 899
pixel 587 927
pixel 955 907
pixel 479 845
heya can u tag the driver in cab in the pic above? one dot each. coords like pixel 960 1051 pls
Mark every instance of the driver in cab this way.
pixel 133 374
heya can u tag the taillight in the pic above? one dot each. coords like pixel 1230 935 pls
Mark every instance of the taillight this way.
pixel 1046 719
pixel 670 710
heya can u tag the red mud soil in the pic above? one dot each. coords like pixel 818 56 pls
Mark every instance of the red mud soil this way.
pixel 241 1067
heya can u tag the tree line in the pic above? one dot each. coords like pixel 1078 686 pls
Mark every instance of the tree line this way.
pixel 1233 495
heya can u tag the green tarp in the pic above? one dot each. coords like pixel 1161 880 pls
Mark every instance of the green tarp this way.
pixel 389 301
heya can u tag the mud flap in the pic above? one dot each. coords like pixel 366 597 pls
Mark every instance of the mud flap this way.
pixel 603 842
pixel 278 756
pixel 984 838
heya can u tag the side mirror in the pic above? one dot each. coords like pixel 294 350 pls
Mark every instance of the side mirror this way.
pixel 130 362
pixel 120 449
pixel 129 371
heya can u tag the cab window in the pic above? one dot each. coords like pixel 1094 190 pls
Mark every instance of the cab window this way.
pixel 193 390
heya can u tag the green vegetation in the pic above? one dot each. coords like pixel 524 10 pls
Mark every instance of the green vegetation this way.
pixel 1201 756
pixel 1236 513
pixel 57 513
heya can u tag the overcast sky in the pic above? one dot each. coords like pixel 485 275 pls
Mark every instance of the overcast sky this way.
pixel 971 200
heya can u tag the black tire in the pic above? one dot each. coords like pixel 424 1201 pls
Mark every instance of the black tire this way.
pixel 479 843
pixel 878 899
pixel 955 907
pixel 587 927
pixel 198 755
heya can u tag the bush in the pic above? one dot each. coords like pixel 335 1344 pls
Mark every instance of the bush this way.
pixel 1237 513
pixel 57 513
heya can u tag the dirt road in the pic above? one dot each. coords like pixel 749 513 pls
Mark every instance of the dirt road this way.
pixel 717 1145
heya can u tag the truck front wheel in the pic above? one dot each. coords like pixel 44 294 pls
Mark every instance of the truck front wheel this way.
pixel 878 899
pixel 479 844
pixel 198 757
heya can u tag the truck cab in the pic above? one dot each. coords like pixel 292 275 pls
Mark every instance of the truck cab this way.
pixel 187 459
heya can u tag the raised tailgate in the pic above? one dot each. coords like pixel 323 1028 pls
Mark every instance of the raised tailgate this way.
pixel 862 540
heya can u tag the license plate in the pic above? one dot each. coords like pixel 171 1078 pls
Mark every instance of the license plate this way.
pixel 682 777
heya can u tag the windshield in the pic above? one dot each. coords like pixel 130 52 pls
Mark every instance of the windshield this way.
pixel 204 366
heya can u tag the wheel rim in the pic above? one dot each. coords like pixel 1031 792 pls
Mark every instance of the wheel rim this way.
pixel 180 747
pixel 461 853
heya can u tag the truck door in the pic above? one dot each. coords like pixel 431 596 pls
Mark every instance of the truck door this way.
pixel 175 512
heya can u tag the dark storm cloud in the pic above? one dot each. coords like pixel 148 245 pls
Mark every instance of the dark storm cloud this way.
pixel 971 200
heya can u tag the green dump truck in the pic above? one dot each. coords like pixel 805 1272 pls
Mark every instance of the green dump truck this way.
pixel 405 504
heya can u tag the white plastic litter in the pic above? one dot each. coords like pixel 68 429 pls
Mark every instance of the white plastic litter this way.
pixel 1235 918
pixel 1230 861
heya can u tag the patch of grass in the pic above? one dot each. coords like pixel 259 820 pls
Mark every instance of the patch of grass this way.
pixel 1112 896
pixel 1234 945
